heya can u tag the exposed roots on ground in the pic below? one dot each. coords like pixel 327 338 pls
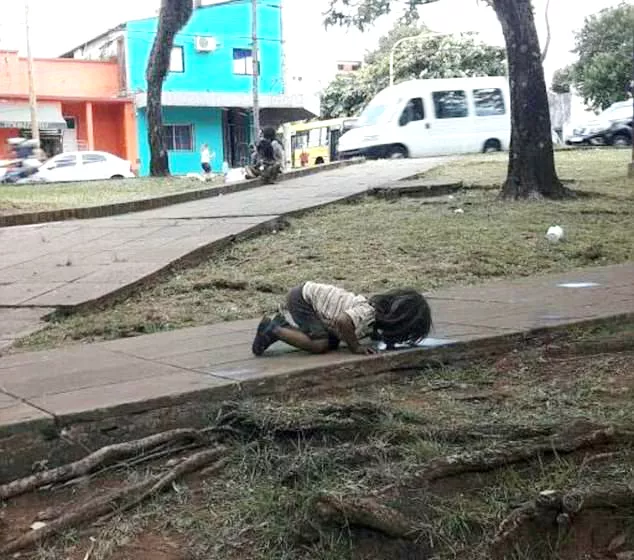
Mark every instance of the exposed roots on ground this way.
pixel 366 513
pixel 117 501
pixel 100 458
pixel 556 510
pixel 567 441
pixel 254 421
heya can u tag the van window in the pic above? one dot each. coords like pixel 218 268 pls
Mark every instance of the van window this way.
pixel 414 111
pixel 372 114
pixel 450 104
pixel 488 102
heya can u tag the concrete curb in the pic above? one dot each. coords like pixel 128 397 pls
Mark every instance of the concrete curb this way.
pixel 22 444
pixel 85 213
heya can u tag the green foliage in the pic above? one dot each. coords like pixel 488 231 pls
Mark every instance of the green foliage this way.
pixel 562 80
pixel 428 56
pixel 604 45
pixel 362 14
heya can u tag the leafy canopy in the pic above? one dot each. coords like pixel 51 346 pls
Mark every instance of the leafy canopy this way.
pixel 603 72
pixel 427 56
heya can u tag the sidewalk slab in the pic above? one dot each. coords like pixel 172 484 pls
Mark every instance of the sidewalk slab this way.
pixel 69 265
pixel 214 362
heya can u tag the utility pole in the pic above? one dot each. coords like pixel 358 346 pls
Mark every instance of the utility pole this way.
pixel 35 128
pixel 256 70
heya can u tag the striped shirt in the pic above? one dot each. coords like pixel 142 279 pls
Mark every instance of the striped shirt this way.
pixel 329 302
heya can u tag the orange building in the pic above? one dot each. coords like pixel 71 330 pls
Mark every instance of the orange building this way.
pixel 81 105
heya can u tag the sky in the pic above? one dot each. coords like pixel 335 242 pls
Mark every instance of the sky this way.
pixel 311 50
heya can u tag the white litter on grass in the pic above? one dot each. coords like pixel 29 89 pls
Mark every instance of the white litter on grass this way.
pixel 578 285
pixel 555 234
pixel 195 176
pixel 37 525
pixel 458 211
pixel 234 175
pixel 451 197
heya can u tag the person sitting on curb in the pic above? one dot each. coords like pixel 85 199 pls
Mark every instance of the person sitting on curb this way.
pixel 268 159
pixel 317 317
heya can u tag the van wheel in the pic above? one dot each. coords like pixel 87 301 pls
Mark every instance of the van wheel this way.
pixel 621 140
pixel 492 145
pixel 117 177
pixel 397 152
pixel 319 161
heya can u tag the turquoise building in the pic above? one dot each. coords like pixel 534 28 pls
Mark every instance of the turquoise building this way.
pixel 207 94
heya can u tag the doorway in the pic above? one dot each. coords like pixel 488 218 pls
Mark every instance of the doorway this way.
pixel 69 138
pixel 236 134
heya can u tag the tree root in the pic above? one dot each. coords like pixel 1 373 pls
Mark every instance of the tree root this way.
pixel 364 512
pixel 557 510
pixel 516 452
pixel 102 457
pixel 255 421
pixel 119 500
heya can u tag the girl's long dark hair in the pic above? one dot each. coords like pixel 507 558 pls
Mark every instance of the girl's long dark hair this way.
pixel 403 316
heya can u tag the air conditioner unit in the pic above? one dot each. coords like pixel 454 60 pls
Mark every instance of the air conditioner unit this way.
pixel 206 44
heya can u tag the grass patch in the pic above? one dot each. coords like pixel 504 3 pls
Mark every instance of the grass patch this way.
pixel 376 244
pixel 374 442
pixel 16 199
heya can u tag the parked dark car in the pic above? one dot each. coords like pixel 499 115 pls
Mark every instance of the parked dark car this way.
pixel 613 127
pixel 619 133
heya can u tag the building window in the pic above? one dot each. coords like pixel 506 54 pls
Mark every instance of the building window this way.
pixel 179 137
pixel 451 104
pixel 177 60
pixel 488 102
pixel 243 62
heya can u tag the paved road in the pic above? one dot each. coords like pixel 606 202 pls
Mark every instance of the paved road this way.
pixel 66 264
pixel 88 382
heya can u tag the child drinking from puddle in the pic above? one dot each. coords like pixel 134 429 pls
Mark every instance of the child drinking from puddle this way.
pixel 317 317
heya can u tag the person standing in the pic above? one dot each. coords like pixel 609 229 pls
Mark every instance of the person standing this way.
pixel 206 155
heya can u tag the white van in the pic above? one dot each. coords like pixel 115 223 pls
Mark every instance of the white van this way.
pixel 422 118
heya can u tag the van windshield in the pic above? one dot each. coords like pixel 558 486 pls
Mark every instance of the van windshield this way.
pixel 372 114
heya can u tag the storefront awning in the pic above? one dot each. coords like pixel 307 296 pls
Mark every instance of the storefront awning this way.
pixel 17 114
pixel 291 107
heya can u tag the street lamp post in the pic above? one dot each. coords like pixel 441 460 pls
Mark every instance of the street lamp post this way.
pixel 402 40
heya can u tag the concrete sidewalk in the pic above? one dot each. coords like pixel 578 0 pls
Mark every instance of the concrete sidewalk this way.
pixel 79 262
pixel 154 372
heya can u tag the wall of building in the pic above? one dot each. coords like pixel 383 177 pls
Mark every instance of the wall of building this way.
pixel 5 134
pixel 230 25
pixel 107 120
pixel 59 77
pixel 207 126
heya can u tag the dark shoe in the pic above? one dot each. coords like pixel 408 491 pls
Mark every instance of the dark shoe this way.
pixel 264 336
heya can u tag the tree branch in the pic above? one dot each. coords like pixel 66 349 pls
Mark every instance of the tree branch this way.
pixel 548 31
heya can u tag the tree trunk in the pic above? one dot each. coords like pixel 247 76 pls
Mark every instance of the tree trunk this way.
pixel 531 170
pixel 174 15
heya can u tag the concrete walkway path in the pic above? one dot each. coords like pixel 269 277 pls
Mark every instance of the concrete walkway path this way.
pixel 74 263
pixel 135 375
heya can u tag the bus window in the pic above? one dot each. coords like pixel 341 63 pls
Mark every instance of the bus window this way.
pixel 414 111
pixel 488 102
pixel 299 141
pixel 451 104
pixel 314 138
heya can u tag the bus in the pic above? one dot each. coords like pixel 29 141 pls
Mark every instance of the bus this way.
pixel 315 142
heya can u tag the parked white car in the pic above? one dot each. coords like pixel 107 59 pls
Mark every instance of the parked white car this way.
pixel 83 166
